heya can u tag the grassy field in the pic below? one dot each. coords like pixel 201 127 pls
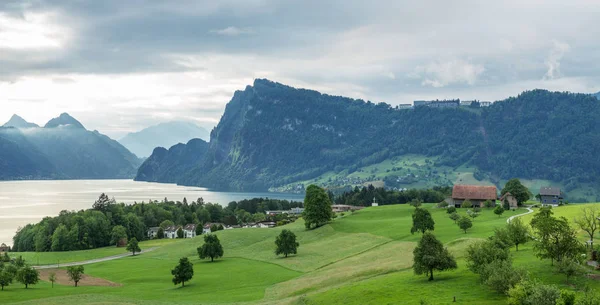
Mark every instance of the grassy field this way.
pixel 361 258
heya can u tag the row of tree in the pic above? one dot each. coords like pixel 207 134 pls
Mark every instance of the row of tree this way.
pixel 108 221
pixel 364 196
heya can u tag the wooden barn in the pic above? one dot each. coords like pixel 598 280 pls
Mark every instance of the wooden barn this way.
pixel 474 193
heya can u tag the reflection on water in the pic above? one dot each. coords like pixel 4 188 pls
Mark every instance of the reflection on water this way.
pixel 23 202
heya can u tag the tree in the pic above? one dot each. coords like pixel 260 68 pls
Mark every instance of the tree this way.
pixel 118 235
pixel 6 258
pixel 183 272
pixel 416 202
pixel 60 238
pixel 499 210
pixel 160 234
pixel 570 267
pixel 588 221
pixel 220 227
pixel 28 276
pixel 467 204
pixel 212 248
pixel 454 216
pixel 52 278
pixel 103 203
pixel 133 247
pixel 518 190
pixel 472 214
pixel 482 253
pixel 199 229
pixel 430 255
pixel 166 223
pixel 518 232
pixel 180 233
pixel 6 278
pixel 75 273
pixel 489 204
pixel 554 237
pixel 286 243
pixel 464 223
pixel 529 292
pixel 422 221
pixel 214 228
pixel 502 238
pixel 506 204
pixel 451 209
pixel 501 276
pixel 317 207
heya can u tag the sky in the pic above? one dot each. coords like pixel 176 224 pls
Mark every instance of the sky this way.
pixel 119 66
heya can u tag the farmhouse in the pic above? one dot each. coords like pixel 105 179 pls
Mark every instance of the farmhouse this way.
pixel 550 195
pixel 189 231
pixel 4 248
pixel 296 211
pixel 474 193
pixel 266 224
pixel 152 232
pixel 337 208
pixel 512 201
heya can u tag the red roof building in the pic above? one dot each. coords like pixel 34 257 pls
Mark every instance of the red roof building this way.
pixel 474 193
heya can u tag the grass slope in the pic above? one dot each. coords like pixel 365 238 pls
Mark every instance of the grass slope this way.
pixel 360 258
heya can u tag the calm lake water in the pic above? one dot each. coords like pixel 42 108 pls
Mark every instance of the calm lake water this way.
pixel 23 202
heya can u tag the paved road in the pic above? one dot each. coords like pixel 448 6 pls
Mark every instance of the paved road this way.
pixel 529 211
pixel 92 261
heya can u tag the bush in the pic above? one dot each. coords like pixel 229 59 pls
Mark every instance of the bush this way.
pixel 451 209
pixel 442 204
pixel 489 204
pixel 467 204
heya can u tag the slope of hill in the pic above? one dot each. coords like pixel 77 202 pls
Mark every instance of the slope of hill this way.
pixel 273 135
pixel 63 149
pixel 167 165
pixel 143 142
pixel 359 258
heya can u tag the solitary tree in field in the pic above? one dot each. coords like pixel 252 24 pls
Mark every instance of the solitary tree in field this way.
pixel 6 278
pixel 52 278
pixel 183 272
pixel 422 221
pixel 464 223
pixel 28 276
pixel 133 247
pixel 518 232
pixel 317 207
pixel 454 216
pixel 430 255
pixel 499 210
pixel 212 248
pixel 75 273
pixel 588 222
pixel 286 243
pixel 518 190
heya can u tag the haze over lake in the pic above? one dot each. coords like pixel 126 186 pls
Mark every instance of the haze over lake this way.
pixel 23 202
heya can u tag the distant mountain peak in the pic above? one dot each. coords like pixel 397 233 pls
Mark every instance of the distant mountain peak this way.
pixel 18 122
pixel 64 120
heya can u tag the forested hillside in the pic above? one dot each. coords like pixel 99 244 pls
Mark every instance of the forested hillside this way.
pixel 272 135
pixel 63 149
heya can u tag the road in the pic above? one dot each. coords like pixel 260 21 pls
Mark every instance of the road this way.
pixel 529 211
pixel 92 261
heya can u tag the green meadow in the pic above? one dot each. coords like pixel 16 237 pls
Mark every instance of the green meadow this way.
pixel 359 258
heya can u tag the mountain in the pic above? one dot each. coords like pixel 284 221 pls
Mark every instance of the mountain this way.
pixel 272 135
pixel 18 122
pixel 167 165
pixel 597 95
pixel 63 149
pixel 143 142
pixel 64 120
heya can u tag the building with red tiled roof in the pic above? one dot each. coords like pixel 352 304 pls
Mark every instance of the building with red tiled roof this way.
pixel 474 193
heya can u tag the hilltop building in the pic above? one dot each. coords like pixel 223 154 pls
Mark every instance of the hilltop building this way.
pixel 438 103
pixel 485 104
pixel 404 106
pixel 474 193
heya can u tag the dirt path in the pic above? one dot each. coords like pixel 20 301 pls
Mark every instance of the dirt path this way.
pixel 62 278
pixel 91 261
pixel 529 211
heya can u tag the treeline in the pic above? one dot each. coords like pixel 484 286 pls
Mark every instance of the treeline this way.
pixel 93 228
pixel 364 196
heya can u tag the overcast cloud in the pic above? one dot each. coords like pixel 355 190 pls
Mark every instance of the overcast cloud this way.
pixel 119 66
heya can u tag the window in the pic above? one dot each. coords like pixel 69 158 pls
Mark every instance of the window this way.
pixel 553 201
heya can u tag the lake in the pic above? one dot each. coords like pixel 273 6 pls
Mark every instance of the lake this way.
pixel 23 202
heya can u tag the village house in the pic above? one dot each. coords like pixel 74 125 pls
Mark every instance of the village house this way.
pixel 4 248
pixel 296 211
pixel 152 232
pixel 171 232
pixel 474 193
pixel 550 195
pixel 206 228
pixel 266 224
pixel 512 201
pixel 189 231
pixel 338 208
pixel 250 225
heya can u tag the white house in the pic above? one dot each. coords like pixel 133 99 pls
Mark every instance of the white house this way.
pixel 189 231
pixel 374 204
pixel 296 211
pixel 152 232
pixel 266 224
pixel 171 232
